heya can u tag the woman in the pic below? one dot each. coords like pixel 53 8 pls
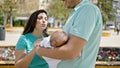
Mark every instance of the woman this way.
pixel 25 49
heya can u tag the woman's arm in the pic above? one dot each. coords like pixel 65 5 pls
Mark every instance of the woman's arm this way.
pixel 22 59
pixel 68 51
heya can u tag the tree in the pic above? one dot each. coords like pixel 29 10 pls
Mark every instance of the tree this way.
pixel 107 10
pixel 26 7
pixel 8 7
pixel 0 9
pixel 58 10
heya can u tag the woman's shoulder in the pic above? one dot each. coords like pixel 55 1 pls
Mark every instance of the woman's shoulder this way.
pixel 24 36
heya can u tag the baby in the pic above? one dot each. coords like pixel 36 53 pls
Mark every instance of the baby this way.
pixel 57 39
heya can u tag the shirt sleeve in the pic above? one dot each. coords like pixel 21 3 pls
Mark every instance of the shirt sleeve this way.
pixel 45 42
pixel 84 23
pixel 21 45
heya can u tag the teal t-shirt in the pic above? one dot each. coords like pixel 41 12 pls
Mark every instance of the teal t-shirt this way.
pixel 85 22
pixel 26 42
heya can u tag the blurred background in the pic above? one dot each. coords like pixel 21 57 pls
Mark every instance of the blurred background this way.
pixel 15 13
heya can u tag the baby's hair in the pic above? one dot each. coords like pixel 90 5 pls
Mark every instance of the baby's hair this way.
pixel 65 36
pixel 62 36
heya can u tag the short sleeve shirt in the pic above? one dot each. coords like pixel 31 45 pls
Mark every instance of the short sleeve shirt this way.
pixel 26 42
pixel 85 21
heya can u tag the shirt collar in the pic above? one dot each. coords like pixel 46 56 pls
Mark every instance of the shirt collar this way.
pixel 80 4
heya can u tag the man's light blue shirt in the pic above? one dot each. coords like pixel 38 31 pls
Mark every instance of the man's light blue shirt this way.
pixel 85 22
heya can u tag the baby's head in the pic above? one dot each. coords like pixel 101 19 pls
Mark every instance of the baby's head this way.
pixel 58 38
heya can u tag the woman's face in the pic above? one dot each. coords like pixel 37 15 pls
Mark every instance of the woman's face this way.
pixel 41 21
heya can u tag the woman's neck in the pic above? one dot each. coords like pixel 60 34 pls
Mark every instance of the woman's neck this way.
pixel 37 33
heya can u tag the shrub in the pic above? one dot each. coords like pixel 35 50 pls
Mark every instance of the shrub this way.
pixel 19 22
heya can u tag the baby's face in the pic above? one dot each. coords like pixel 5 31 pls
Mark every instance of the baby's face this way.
pixel 57 39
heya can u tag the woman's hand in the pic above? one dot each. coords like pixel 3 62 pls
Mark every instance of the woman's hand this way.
pixel 37 43
pixel 37 46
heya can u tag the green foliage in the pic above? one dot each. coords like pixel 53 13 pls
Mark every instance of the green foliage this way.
pixel 1 9
pixel 107 10
pixel 19 23
pixel 1 20
pixel 58 10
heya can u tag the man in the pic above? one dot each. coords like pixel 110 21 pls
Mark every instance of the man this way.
pixel 84 27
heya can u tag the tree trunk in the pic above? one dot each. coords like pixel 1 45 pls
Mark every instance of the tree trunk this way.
pixel 5 19
pixel 11 21
pixel 105 27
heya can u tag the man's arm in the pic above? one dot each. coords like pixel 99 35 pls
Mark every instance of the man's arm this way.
pixel 70 50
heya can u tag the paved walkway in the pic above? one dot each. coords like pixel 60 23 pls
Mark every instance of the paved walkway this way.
pixel 13 35
pixel 112 41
